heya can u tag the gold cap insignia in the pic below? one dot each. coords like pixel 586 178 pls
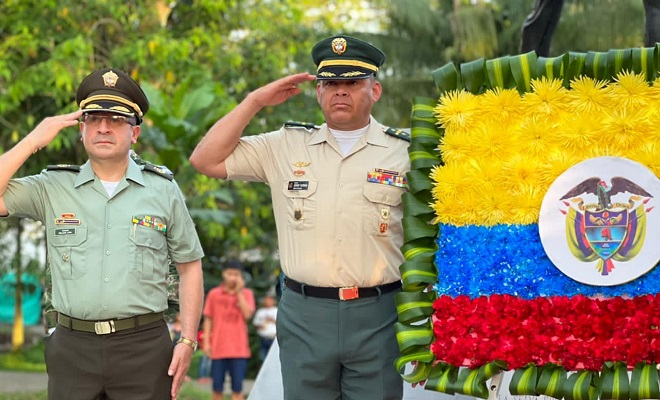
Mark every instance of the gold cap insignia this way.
pixel 110 79
pixel 339 45
pixel 301 164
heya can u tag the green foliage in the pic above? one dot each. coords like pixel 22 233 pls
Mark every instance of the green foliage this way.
pixel 30 360
pixel 25 396
pixel 599 25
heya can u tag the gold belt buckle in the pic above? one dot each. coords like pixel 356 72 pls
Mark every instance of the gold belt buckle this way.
pixel 349 293
pixel 104 327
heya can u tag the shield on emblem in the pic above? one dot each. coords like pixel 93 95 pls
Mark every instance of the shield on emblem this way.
pixel 605 231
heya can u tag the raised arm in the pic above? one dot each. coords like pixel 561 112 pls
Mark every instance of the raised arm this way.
pixel 40 137
pixel 210 154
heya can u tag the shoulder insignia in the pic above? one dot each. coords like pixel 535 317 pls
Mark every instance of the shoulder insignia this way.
pixel 158 170
pixel 147 166
pixel 305 125
pixel 64 167
pixel 399 133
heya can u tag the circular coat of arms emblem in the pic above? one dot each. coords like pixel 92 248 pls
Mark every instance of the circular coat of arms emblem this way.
pixel 598 222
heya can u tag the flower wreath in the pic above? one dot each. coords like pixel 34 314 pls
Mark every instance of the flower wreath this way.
pixel 505 130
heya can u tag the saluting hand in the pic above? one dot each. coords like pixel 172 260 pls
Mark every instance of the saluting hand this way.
pixel 277 92
pixel 45 132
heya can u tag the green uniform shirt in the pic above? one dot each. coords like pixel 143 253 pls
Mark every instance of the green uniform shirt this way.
pixel 109 255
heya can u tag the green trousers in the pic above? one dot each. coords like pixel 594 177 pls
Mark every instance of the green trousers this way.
pixel 333 349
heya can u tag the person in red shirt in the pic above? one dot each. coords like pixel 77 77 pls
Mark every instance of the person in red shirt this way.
pixel 227 309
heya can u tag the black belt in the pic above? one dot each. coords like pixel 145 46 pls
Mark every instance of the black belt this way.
pixel 344 293
pixel 107 326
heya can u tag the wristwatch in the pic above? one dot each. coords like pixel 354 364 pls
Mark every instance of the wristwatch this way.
pixel 188 342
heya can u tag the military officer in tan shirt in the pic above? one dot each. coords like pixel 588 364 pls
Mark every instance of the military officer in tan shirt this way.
pixel 336 191
pixel 112 227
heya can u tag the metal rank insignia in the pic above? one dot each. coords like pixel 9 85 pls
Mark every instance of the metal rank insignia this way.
pixel 387 177
pixel 297 214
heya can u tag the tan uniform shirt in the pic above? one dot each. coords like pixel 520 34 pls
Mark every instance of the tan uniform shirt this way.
pixel 334 228
pixel 108 255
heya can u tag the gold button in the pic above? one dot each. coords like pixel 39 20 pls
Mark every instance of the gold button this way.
pixel 65 257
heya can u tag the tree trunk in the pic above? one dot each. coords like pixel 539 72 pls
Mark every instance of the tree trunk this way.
pixel 18 332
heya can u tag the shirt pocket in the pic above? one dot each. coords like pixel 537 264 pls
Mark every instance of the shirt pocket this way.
pixel 300 205
pixel 148 258
pixel 381 203
pixel 68 252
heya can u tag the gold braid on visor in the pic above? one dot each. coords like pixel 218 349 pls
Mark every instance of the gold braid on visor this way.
pixel 111 98
pixel 347 63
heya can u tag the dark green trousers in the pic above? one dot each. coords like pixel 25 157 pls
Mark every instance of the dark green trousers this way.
pixel 333 349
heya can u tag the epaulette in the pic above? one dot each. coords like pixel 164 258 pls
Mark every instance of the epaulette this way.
pixel 64 167
pixel 158 170
pixel 306 125
pixel 399 133
pixel 147 166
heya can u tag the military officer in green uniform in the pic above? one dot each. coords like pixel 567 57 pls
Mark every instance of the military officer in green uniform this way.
pixel 336 191
pixel 112 227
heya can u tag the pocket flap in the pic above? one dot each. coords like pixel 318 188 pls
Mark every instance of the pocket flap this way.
pixel 147 237
pixel 383 194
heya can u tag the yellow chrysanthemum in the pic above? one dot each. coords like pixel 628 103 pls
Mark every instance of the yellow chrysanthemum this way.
pixel 647 154
pixel 655 89
pixel 482 170
pixel 556 163
pixel 653 134
pixel 534 135
pixel 631 90
pixel 458 212
pixel 527 205
pixel 457 108
pixel 502 106
pixel 547 99
pixel 494 205
pixel 579 131
pixel 466 210
pixel 626 128
pixel 451 181
pixel 518 173
pixel 493 142
pixel 440 207
pixel 457 147
pixel 588 95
